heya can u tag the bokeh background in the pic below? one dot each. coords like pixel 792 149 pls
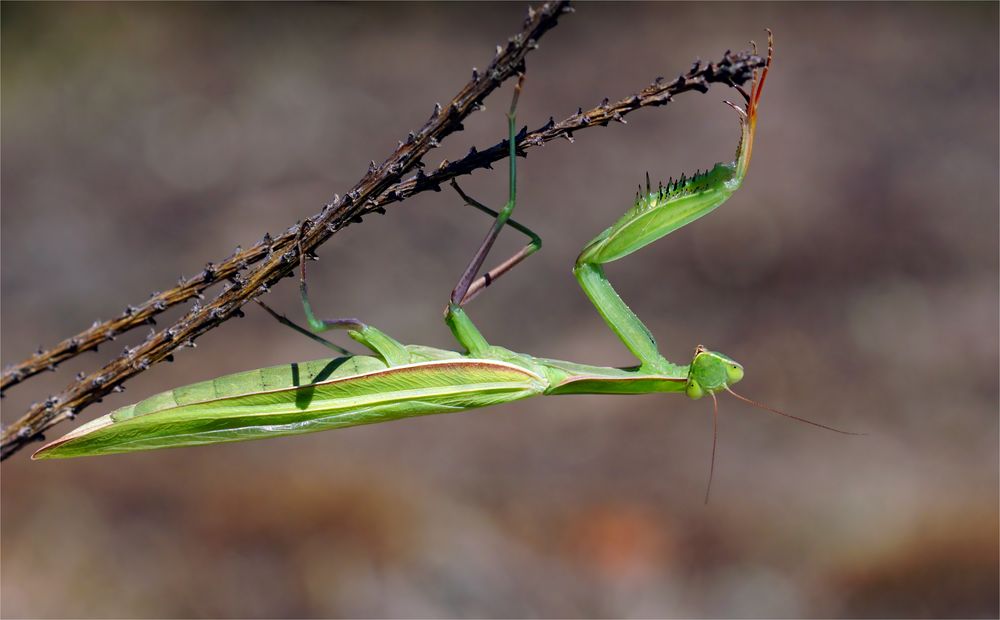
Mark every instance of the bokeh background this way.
pixel 855 275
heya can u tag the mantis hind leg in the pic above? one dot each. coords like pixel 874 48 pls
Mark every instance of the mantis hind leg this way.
pixel 287 322
pixel 389 350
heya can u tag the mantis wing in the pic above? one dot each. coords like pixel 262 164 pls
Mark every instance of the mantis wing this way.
pixel 271 402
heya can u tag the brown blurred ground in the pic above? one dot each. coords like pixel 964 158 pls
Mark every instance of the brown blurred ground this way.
pixel 855 275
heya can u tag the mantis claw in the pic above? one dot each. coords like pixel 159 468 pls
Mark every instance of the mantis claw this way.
pixel 738 109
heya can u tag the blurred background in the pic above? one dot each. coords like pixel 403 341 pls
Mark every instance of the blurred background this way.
pixel 855 276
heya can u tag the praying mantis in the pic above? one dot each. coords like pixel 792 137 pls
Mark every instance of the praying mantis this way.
pixel 398 381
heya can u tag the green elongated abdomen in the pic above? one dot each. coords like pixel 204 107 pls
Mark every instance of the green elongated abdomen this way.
pixel 254 381
pixel 381 395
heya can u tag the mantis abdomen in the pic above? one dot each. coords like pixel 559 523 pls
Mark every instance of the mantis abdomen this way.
pixel 296 398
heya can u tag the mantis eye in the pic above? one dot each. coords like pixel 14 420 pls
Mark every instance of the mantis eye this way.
pixel 694 391
pixel 734 373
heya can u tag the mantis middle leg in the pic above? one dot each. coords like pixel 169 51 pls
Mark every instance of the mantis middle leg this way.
pixel 469 285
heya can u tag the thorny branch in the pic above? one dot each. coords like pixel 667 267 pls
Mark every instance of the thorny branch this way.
pixel 733 69
pixel 382 185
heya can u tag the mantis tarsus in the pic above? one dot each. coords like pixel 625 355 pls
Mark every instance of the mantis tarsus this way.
pixel 398 381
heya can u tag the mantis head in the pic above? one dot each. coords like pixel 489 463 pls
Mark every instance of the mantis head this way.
pixel 748 117
pixel 711 372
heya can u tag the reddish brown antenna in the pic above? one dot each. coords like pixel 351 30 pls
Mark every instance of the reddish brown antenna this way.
pixel 715 441
pixel 754 403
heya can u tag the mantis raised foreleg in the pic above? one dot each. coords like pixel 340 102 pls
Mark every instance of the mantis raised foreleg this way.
pixel 654 215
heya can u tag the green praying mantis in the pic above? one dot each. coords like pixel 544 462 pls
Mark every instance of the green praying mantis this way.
pixel 398 381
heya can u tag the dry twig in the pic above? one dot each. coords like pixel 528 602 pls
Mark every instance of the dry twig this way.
pixel 382 185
